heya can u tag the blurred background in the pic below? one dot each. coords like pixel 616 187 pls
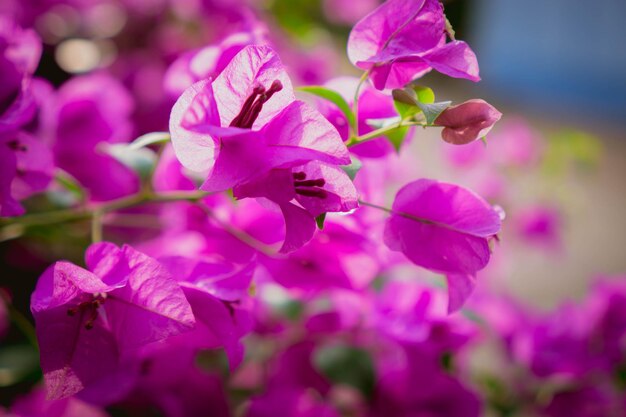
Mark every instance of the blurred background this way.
pixel 554 68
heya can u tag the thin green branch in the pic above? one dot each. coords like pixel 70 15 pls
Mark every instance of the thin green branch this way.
pixel 87 213
pixel 238 233
pixel 384 130
pixel 355 104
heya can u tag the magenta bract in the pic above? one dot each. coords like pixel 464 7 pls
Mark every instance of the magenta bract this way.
pixel 246 122
pixel 88 321
pixel 444 228
pixel 404 39
pixel 89 113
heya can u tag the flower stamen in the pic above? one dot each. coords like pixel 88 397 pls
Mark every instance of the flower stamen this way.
pixel 254 104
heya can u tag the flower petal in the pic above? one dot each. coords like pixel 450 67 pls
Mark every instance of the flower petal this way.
pixel 460 287
pixel 448 205
pixel 195 149
pixel 300 227
pixel 300 133
pixel 251 67
pixel 151 307
pixel 442 227
pixel 63 282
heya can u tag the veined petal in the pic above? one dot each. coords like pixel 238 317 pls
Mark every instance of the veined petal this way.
pixel 73 357
pixel 301 133
pixel 195 108
pixel 442 227
pixel 216 324
pixel 300 227
pixel 63 282
pixel 454 59
pixel 436 248
pixel 151 307
pixel 448 205
pixel 372 34
pixel 253 66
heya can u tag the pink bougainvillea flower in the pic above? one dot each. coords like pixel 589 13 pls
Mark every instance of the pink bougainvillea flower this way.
pixel 302 193
pixel 26 169
pixel 293 376
pixel 215 292
pixel 559 344
pixel 346 11
pixel 404 39
pixel 411 312
pixel 88 320
pixel 512 143
pixel 20 51
pixel 515 143
pixel 444 228
pixel 35 404
pixel 336 258
pixel 172 381
pixel 90 112
pixel 169 174
pixel 540 225
pixel 418 386
pixel 608 303
pixel 247 122
pixel 587 399
pixel 466 122
pixel 208 62
pixel 290 402
pixel 372 105
pixel 9 206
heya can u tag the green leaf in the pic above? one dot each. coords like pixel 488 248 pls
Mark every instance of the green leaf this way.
pixel 334 97
pixel 397 136
pixel 320 221
pixel 405 102
pixel 148 139
pixel 353 168
pixel 344 364
pixel 432 111
pixel 140 160
pixel 70 183
pixel 424 94
pixel 386 122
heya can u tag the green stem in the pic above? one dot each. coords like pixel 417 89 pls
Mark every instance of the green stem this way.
pixel 87 213
pixel 355 104
pixel 384 130
pixel 376 206
pixel 379 132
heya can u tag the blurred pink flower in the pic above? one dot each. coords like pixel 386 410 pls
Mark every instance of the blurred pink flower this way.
pixel 444 228
pixel 404 39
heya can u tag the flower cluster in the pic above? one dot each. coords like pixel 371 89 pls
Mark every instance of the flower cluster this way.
pixel 260 249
